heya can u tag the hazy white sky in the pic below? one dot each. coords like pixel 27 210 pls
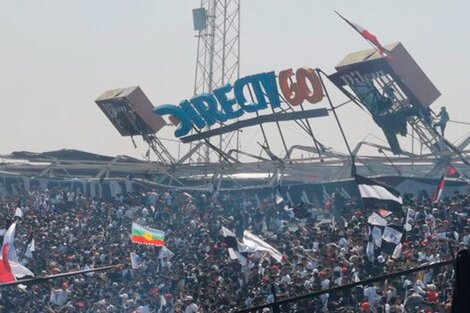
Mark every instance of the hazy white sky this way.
pixel 57 57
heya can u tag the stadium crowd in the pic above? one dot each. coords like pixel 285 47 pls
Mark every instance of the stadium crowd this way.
pixel 196 274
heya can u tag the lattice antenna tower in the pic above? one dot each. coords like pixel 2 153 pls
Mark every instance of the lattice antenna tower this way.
pixel 218 58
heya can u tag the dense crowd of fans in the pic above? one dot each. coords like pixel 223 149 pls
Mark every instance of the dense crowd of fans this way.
pixel 72 232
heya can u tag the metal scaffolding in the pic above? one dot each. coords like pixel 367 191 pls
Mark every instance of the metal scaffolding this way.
pixel 217 63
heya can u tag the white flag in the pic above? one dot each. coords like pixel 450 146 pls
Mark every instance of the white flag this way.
pixel 165 253
pixel 18 212
pixel 136 261
pixel 30 249
pixel 255 243
pixel 279 198
pixel 10 239
pixel 19 270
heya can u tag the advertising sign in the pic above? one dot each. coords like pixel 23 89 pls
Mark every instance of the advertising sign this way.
pixel 130 111
pixel 247 95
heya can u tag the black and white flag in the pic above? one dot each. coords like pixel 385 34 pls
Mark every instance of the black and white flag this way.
pixel 229 238
pixel 391 240
pixel 233 246
pixel 384 238
pixel 253 243
pixel 376 195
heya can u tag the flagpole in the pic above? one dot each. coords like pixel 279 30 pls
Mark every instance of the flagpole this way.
pixel 39 280
pixel 368 41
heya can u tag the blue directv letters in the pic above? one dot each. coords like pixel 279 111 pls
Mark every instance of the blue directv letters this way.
pixel 240 96
pixel 227 104
pixel 268 81
pixel 193 115
pixel 207 109
pixel 185 124
pixel 206 105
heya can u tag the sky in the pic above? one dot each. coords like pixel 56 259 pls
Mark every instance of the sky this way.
pixel 57 57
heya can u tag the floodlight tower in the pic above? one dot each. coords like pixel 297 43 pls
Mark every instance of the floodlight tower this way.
pixel 218 56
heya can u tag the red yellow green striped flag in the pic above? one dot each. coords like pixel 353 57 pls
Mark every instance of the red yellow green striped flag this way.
pixel 147 235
